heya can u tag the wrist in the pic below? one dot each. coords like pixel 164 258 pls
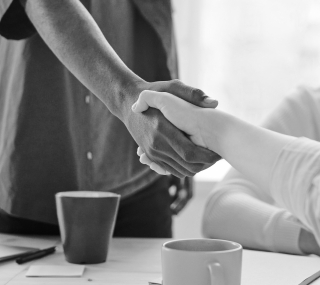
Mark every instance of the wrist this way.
pixel 214 127
pixel 125 94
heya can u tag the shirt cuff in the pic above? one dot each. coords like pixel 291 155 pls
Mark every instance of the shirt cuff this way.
pixel 286 234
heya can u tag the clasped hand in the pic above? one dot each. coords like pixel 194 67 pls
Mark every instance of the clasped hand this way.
pixel 180 113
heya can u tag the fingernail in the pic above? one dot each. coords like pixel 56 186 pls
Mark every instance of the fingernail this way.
pixel 210 101
pixel 134 106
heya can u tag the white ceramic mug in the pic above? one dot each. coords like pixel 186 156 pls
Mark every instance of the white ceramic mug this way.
pixel 201 262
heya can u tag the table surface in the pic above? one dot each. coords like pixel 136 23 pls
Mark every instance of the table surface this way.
pixel 137 261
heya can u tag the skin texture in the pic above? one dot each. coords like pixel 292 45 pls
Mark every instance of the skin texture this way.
pixel 230 137
pixel 74 37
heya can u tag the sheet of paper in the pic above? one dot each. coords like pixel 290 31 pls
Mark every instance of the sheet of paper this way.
pixel 265 268
pixel 55 271
pixel 157 281
pixel 8 252
pixel 29 241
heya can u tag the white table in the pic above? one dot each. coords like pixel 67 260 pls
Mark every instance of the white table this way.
pixel 137 261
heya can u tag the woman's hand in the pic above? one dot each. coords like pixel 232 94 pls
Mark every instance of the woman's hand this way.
pixel 180 113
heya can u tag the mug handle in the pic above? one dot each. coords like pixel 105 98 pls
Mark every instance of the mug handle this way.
pixel 216 273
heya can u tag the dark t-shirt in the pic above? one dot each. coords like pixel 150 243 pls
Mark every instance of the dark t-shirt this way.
pixel 55 135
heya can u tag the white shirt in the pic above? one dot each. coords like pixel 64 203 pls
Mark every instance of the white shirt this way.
pixel 238 210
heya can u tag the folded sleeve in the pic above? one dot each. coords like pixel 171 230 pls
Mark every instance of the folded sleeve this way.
pixel 14 22
pixel 239 210
pixel 295 182
pixel 236 211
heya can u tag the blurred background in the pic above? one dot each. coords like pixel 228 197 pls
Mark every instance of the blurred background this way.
pixel 248 54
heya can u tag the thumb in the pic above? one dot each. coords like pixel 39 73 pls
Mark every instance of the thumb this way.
pixel 146 99
pixel 192 95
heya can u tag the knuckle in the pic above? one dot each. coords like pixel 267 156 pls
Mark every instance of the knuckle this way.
pixel 197 168
pixel 144 93
pixel 176 81
pixel 214 158
pixel 196 95
pixel 179 175
pixel 189 156
pixel 160 126
pixel 155 144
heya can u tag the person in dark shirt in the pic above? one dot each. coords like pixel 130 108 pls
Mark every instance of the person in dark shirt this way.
pixel 70 71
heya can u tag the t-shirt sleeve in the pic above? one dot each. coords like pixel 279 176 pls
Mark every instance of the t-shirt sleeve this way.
pixel 14 22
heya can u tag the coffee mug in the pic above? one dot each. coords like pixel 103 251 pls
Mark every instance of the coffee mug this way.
pixel 86 222
pixel 201 262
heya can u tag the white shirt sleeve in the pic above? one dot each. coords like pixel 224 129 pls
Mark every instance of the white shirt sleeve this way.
pixel 238 210
pixel 295 182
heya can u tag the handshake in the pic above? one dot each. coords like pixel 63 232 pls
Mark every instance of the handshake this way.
pixel 158 135
pixel 189 118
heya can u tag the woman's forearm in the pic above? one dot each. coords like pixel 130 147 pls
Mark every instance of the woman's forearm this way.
pixel 72 34
pixel 250 149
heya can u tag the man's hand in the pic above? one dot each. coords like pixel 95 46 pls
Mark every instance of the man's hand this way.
pixel 161 141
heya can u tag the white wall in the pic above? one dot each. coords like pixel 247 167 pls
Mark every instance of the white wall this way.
pixel 248 54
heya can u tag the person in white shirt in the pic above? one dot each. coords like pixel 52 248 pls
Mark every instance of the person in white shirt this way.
pixel 271 200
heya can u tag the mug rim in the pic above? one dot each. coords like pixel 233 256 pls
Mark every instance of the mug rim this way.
pixel 86 194
pixel 238 246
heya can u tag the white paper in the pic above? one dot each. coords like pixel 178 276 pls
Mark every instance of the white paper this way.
pixel 157 281
pixel 55 271
pixel 265 268
pixel 6 251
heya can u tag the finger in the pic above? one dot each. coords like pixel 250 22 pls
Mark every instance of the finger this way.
pixel 184 162
pixel 174 164
pixel 144 159
pixel 164 143
pixel 193 154
pixel 174 169
pixel 193 95
pixel 155 167
pixel 139 151
pixel 168 167
pixel 140 105
pixel 148 98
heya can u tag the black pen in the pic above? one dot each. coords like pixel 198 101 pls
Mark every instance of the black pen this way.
pixel 36 255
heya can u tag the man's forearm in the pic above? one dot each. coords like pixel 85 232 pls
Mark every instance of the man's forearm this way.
pixel 250 149
pixel 72 34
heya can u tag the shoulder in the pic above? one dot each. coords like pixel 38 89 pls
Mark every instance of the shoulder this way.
pixel 298 114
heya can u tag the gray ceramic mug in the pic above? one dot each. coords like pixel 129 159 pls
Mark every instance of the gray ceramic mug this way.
pixel 86 222
pixel 201 262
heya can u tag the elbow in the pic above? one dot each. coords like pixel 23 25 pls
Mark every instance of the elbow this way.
pixel 210 220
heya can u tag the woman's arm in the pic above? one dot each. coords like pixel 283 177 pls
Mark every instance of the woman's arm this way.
pixel 238 210
pixel 285 167
pixel 250 149
pixel 297 115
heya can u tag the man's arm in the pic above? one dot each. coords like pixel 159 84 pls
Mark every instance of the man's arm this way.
pixel 74 37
